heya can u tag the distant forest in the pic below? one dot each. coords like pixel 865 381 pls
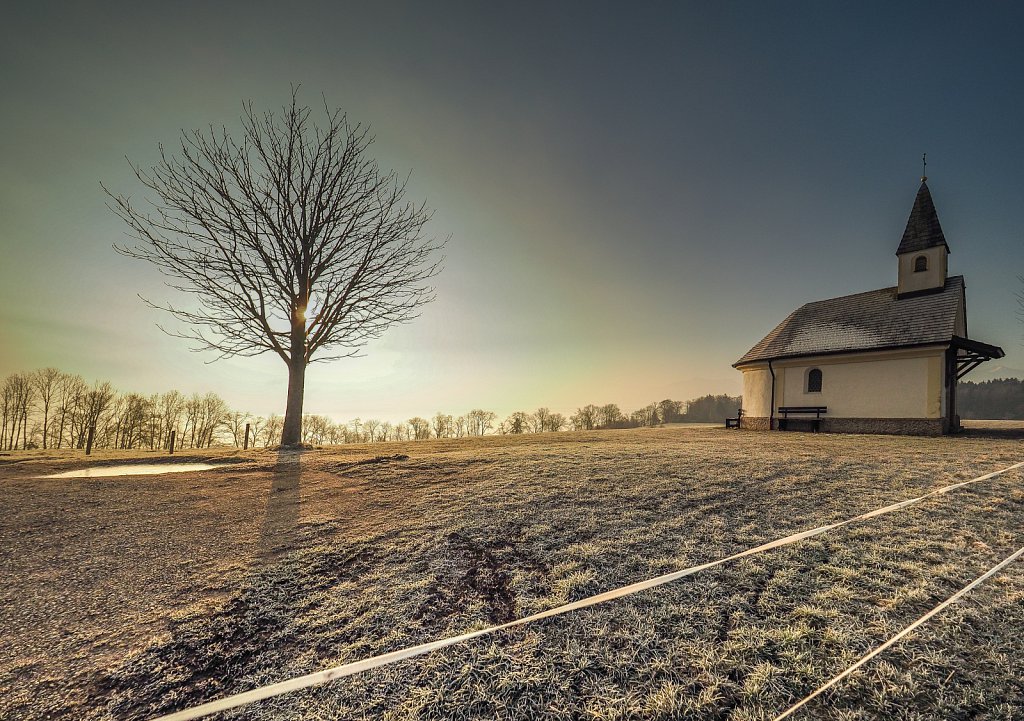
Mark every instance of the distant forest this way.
pixel 48 408
pixel 1001 399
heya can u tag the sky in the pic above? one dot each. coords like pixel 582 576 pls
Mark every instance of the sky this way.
pixel 635 193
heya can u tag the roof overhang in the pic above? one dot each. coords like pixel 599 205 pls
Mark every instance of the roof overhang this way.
pixel 972 353
pixel 972 350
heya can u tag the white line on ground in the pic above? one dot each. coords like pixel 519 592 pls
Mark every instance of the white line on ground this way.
pixel 902 634
pixel 349 669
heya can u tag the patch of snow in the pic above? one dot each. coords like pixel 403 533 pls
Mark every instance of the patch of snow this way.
pixel 148 469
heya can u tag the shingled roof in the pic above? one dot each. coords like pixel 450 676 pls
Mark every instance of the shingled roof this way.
pixel 923 229
pixel 865 321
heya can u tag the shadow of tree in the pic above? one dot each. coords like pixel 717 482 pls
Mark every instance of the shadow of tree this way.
pixel 279 529
pixel 250 635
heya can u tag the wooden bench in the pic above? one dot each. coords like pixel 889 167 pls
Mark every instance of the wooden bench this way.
pixel 787 411
pixel 734 422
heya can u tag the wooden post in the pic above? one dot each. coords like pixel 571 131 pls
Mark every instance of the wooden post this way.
pixel 88 442
pixel 172 442
pixel 245 445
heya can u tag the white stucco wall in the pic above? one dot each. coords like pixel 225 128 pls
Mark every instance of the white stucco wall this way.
pixel 894 388
pixel 757 392
pixel 864 385
pixel 934 277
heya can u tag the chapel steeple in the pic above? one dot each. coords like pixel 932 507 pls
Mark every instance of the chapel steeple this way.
pixel 923 250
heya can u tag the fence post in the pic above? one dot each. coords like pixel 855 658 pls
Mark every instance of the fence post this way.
pixel 245 446
pixel 172 442
pixel 88 442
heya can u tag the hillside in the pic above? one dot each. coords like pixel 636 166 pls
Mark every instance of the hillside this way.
pixel 132 596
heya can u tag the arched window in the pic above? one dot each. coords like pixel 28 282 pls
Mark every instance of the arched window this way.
pixel 920 264
pixel 814 380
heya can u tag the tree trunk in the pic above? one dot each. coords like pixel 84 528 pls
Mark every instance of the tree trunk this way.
pixel 291 435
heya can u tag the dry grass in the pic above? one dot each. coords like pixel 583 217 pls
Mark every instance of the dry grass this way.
pixel 152 593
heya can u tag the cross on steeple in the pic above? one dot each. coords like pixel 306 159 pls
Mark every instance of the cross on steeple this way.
pixel 924 167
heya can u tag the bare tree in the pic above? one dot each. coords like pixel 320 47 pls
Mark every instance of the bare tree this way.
pixel 354 431
pixel 257 426
pixel 95 403
pixel 371 426
pixel 272 429
pixel 69 399
pixel 585 418
pixel 46 382
pixel 336 433
pixel 480 421
pixel 290 240
pixel 203 415
pixel 16 397
pixel 442 425
pixel 171 404
pixel 518 422
pixel 420 428
pixel 235 422
pixel 646 416
pixel 129 414
pixel 316 429
pixel 193 408
pixel 608 415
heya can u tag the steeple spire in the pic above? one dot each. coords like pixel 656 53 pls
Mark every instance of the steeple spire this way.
pixel 923 230
pixel 921 257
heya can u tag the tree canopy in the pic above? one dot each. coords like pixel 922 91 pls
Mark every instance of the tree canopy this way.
pixel 290 240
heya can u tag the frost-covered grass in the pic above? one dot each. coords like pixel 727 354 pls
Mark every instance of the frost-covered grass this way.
pixel 165 592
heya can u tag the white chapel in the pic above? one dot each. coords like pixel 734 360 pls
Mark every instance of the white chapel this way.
pixel 884 361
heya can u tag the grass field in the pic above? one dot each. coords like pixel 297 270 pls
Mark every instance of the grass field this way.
pixel 127 597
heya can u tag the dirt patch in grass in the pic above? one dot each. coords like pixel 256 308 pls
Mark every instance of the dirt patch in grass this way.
pixel 342 467
pixel 477 572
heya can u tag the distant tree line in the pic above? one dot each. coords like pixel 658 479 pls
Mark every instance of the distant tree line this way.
pixel 48 408
pixel 1001 399
pixel 593 417
pixel 320 430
